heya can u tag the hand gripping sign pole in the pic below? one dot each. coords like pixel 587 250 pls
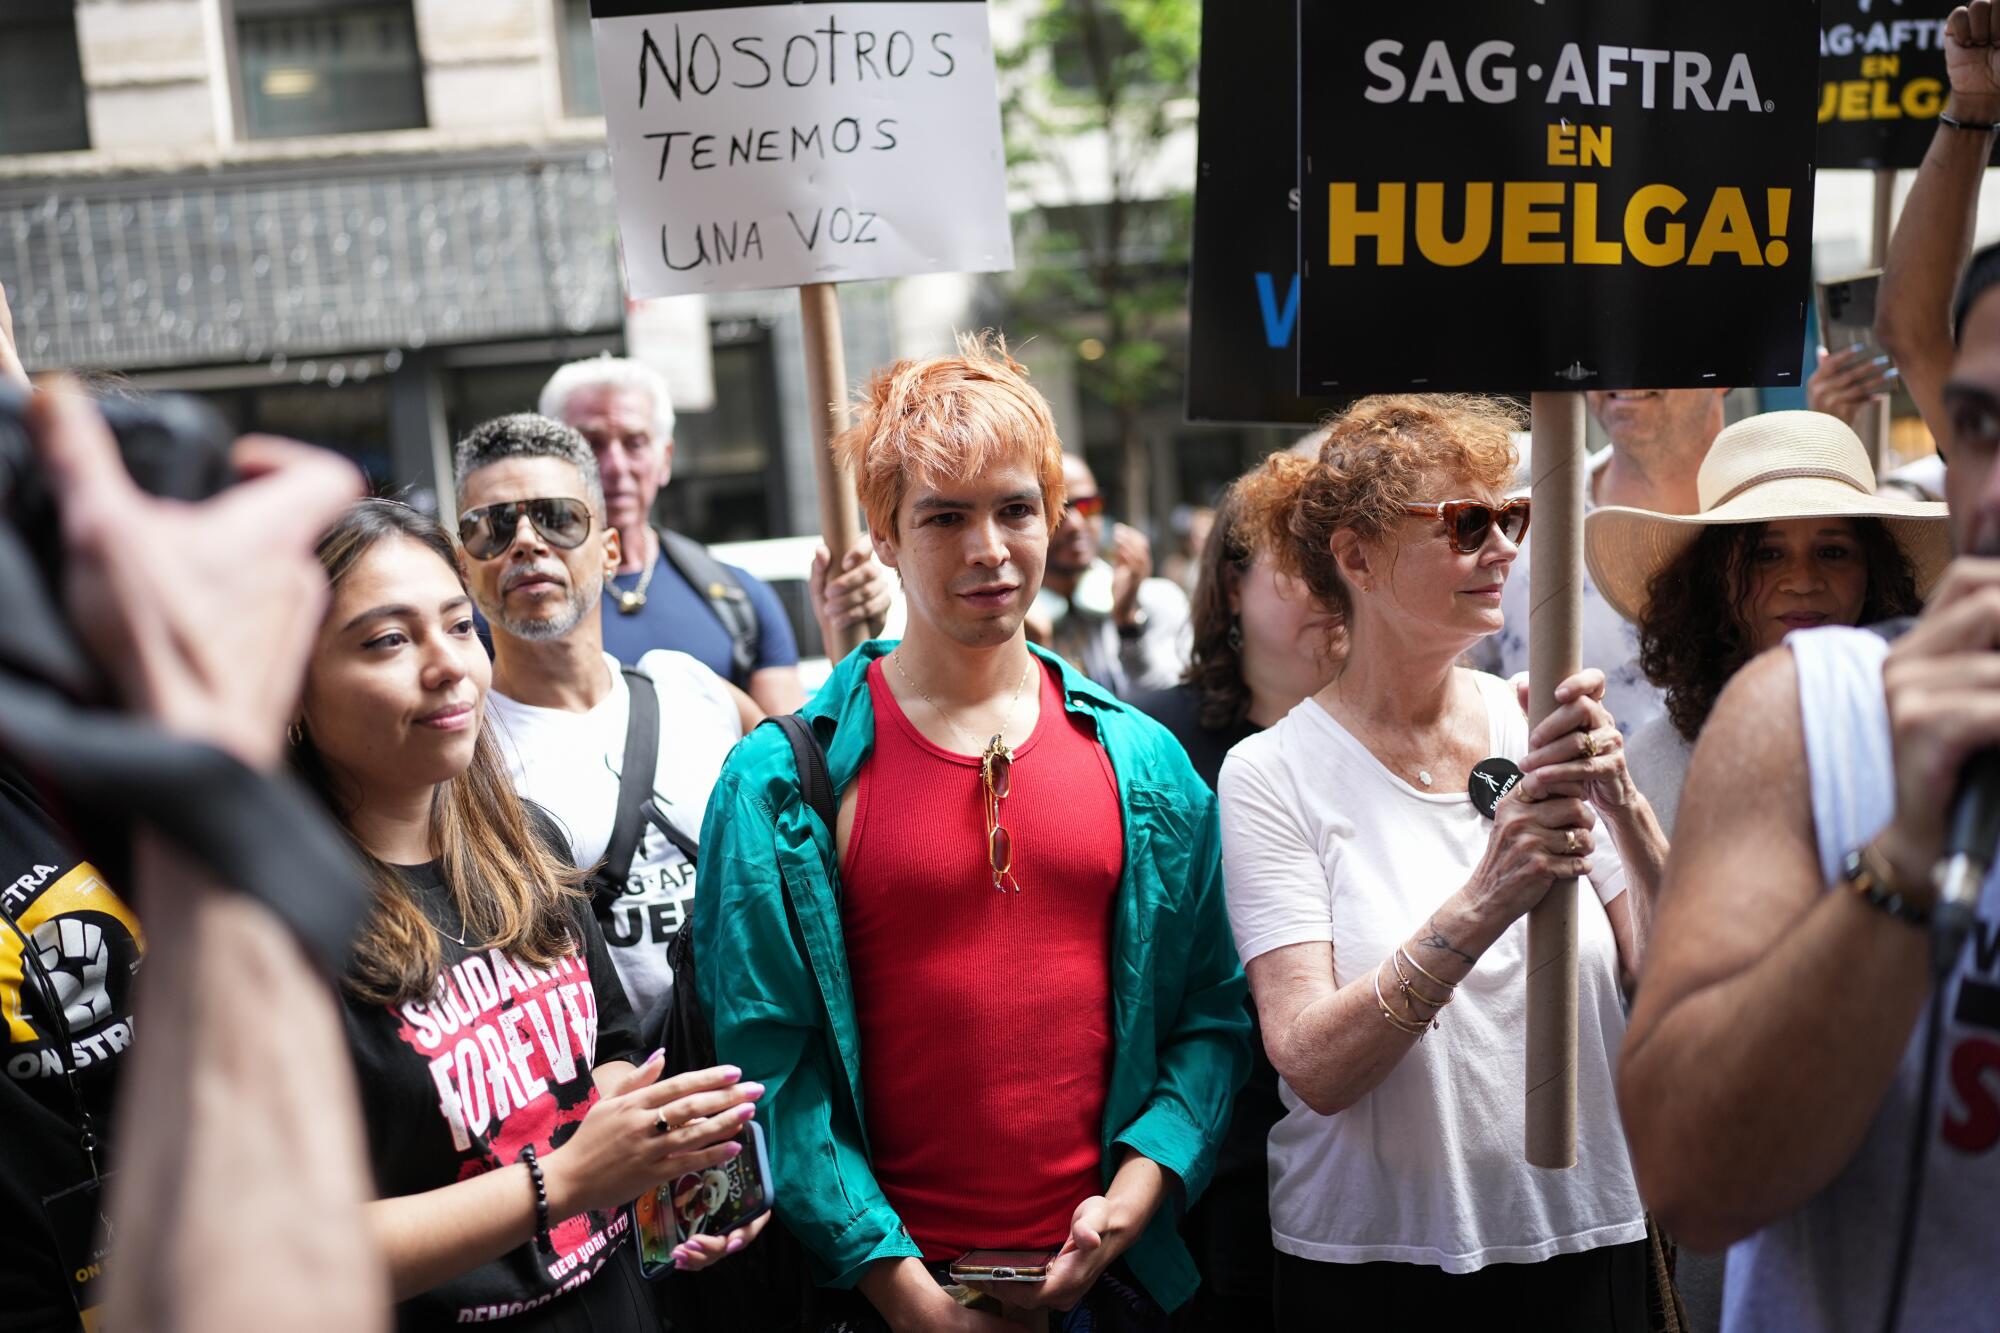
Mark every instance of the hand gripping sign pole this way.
pixel 1555 652
pixel 826 386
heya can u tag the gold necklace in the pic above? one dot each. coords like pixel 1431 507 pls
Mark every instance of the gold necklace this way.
pixel 999 742
pixel 631 599
pixel 1423 773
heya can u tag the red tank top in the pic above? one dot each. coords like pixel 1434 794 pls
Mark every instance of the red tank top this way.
pixel 985 1018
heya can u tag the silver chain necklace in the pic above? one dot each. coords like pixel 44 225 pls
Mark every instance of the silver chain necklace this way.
pixel 631 599
pixel 999 741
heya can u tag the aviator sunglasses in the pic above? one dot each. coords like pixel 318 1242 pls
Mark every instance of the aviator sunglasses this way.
pixel 1468 522
pixel 487 531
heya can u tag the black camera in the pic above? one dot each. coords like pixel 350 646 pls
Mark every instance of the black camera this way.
pixel 172 445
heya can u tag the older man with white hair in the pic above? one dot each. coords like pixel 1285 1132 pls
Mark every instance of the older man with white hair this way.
pixel 669 592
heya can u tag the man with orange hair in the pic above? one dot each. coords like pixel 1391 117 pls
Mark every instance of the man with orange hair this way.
pixel 997 1005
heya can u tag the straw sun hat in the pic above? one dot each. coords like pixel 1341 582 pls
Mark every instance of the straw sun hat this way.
pixel 1779 465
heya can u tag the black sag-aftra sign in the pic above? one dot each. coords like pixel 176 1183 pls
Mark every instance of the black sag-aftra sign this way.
pixel 1568 194
pixel 1882 81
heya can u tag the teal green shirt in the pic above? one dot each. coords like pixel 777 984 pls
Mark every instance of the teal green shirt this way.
pixel 782 1003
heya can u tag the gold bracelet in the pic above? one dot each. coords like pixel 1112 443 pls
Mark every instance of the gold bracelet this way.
pixel 1404 1025
pixel 1448 985
pixel 1410 992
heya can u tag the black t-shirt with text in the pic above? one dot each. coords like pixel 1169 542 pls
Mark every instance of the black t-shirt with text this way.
pixel 89 945
pixel 453 1085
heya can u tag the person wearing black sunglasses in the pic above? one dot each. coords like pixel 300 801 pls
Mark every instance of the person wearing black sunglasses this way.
pixel 1383 848
pixel 1100 606
pixel 536 552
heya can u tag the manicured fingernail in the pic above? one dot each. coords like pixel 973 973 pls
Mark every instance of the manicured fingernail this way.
pixel 751 1091
pixel 1856 348
pixel 735 1244
pixel 660 1054
pixel 731 1072
pixel 1891 373
pixel 746 1111
pixel 1881 360
pixel 731 1149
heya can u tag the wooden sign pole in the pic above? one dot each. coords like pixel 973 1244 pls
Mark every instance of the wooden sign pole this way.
pixel 1555 651
pixel 1874 422
pixel 826 386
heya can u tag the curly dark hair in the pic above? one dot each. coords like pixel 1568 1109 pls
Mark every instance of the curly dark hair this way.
pixel 1215 665
pixel 1242 529
pixel 1689 651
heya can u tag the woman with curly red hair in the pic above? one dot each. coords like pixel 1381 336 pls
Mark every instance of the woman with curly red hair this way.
pixel 1379 869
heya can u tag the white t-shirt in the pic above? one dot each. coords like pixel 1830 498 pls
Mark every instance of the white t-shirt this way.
pixel 1321 843
pixel 569 763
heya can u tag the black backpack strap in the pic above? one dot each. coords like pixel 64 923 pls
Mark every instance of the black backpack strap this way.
pixel 635 784
pixel 815 783
pixel 715 584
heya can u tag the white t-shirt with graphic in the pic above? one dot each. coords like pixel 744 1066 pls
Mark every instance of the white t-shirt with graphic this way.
pixel 1323 844
pixel 569 763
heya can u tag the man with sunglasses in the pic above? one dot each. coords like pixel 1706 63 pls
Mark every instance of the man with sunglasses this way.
pixel 537 552
pixel 668 590
pixel 996 1005
pixel 1109 617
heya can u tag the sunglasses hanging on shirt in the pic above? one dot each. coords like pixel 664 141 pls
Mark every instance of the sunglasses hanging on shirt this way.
pixel 996 772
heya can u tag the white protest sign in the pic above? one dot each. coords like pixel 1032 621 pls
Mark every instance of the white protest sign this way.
pixel 757 145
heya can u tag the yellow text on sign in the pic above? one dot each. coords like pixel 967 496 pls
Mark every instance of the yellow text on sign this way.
pixel 1579 145
pixel 1879 99
pixel 1553 222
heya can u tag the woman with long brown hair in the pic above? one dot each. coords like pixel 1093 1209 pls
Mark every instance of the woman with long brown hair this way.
pixel 1262 643
pixel 494 1048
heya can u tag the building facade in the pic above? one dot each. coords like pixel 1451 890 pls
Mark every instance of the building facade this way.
pixel 373 223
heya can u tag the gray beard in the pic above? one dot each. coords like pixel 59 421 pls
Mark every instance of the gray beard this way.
pixel 557 626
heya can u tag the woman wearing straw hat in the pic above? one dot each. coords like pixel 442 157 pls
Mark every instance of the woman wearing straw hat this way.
pixel 1790 535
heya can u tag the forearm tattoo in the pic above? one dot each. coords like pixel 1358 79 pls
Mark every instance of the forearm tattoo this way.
pixel 1435 940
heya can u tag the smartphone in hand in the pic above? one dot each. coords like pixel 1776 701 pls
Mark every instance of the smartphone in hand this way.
pixel 711 1202
pixel 1002 1266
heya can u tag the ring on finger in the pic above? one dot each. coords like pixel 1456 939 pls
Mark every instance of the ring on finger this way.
pixel 1590 745
pixel 1570 841
pixel 661 1125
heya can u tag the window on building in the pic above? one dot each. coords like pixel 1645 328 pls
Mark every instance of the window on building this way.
pixel 729 469
pixel 352 419
pixel 328 67
pixel 581 96
pixel 41 79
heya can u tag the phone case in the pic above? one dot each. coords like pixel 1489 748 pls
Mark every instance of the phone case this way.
pixel 711 1202
pixel 1001 1266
